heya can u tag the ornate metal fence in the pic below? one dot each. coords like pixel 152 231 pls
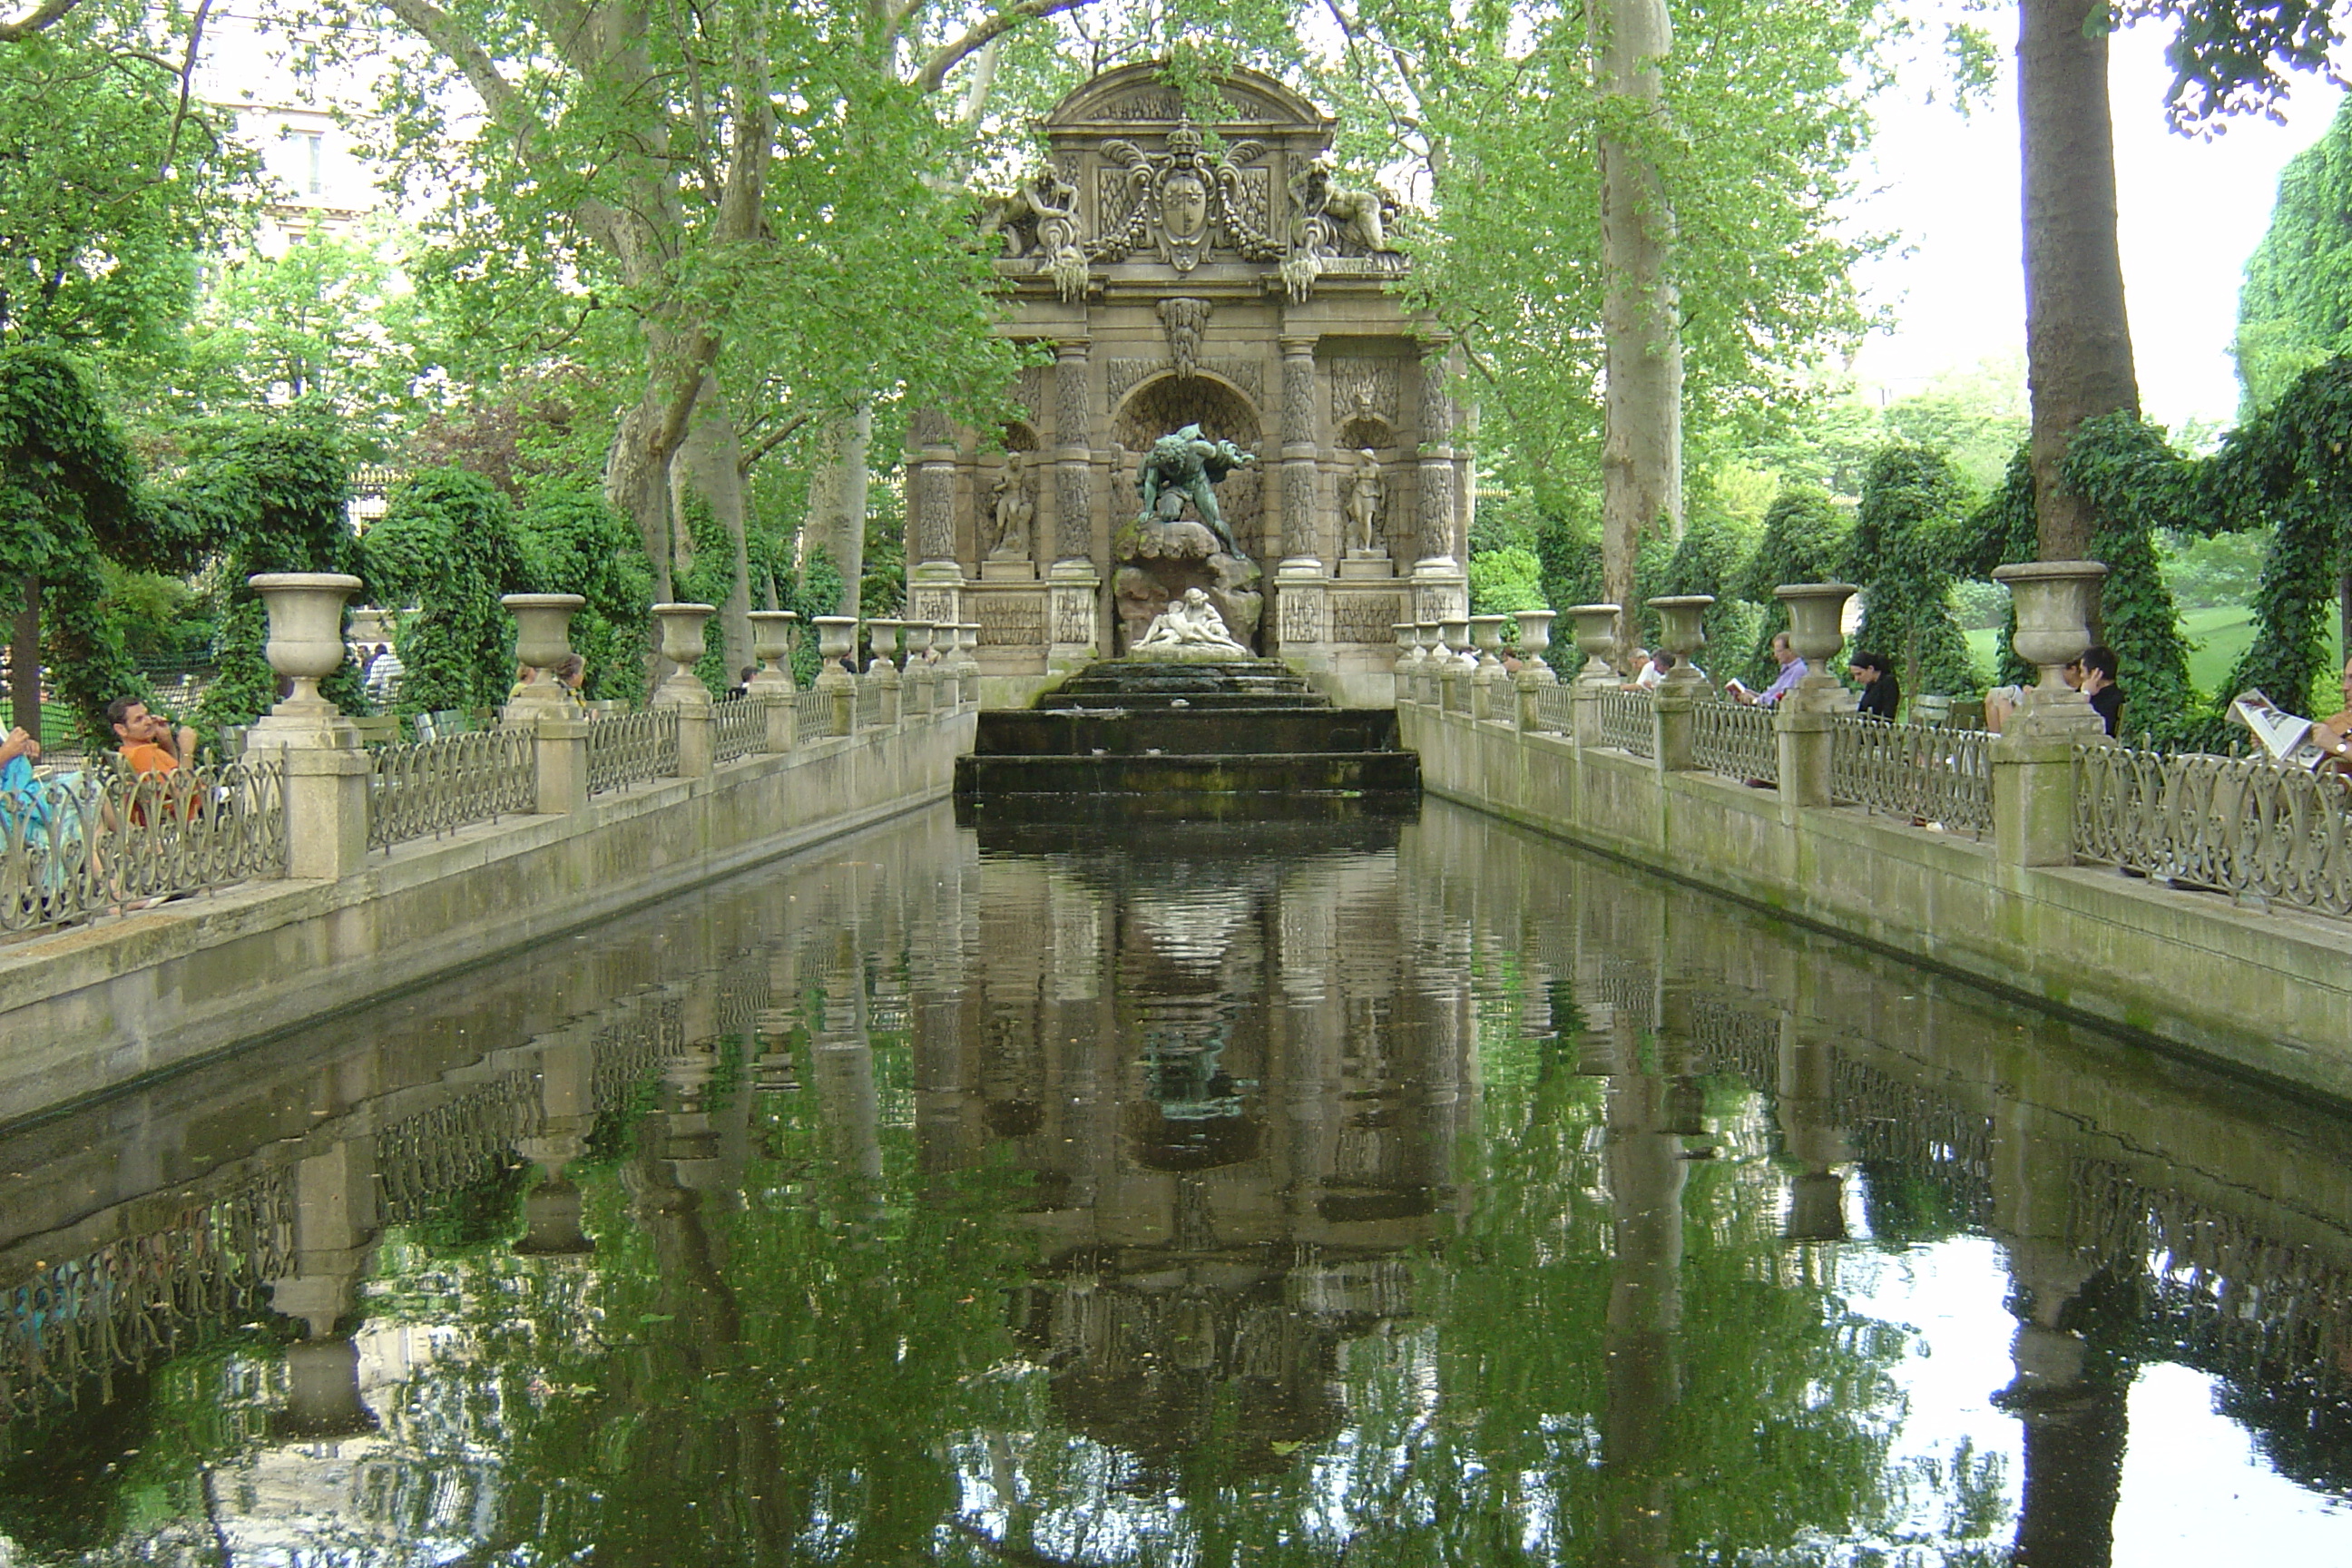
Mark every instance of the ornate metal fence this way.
pixel 630 748
pixel 1555 708
pixel 136 1302
pixel 2248 828
pixel 816 715
pixel 432 787
pixel 739 727
pixel 1737 739
pixel 869 703
pixel 1922 772
pixel 1629 720
pixel 99 841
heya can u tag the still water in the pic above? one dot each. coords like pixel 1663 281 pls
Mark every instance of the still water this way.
pixel 1426 1193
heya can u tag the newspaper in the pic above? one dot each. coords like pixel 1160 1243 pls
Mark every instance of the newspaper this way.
pixel 2285 737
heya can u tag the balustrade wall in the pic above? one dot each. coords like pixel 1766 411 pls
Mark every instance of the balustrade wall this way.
pixel 2079 873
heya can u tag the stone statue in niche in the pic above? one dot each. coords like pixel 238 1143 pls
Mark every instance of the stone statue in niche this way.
pixel 1365 494
pixel 1178 199
pixel 1186 465
pixel 1179 542
pixel 1014 509
pixel 1189 626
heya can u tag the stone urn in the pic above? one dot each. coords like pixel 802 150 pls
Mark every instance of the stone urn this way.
pixel 918 635
pixel 543 641
pixel 1486 632
pixel 1455 632
pixel 1535 637
pixel 1816 629
pixel 1429 636
pixel 837 639
pixel 1596 639
pixel 771 644
pixel 1816 619
pixel 681 644
pixel 1408 641
pixel 2054 626
pixel 882 642
pixel 306 632
pixel 1681 631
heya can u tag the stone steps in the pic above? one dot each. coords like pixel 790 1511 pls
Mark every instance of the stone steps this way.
pixel 1170 741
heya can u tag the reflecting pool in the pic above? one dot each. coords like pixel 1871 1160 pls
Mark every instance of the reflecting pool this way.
pixel 1394 1193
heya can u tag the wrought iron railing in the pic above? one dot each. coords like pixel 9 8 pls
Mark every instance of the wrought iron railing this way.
pixel 432 787
pixel 869 703
pixel 1556 707
pixel 136 1301
pixel 101 841
pixel 815 719
pixel 1924 772
pixel 624 749
pixel 1629 720
pixel 1737 739
pixel 2249 827
pixel 739 727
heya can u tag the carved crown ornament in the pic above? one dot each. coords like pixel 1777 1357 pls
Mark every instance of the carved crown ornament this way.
pixel 1178 199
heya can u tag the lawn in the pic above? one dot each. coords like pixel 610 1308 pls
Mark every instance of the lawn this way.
pixel 2217 638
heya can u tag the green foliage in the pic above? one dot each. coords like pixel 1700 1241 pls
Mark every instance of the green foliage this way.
pixel 1906 550
pixel 111 185
pixel 2295 309
pixel 2138 485
pixel 575 543
pixel 1764 116
pixel 704 580
pixel 2220 572
pixel 1712 557
pixel 2285 468
pixel 448 544
pixel 71 500
pixel 1502 580
pixel 271 493
pixel 1806 539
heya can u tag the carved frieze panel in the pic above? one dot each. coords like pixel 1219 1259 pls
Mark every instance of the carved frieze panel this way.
pixel 934 604
pixel 1122 376
pixel 1074 617
pixel 1302 616
pixel 1363 388
pixel 1008 622
pixel 1366 618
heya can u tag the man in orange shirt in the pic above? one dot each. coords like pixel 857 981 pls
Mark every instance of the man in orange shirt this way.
pixel 148 743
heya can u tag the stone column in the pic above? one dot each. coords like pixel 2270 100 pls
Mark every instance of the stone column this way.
pixel 1074 510
pixel 935 580
pixel 1437 512
pixel 1302 542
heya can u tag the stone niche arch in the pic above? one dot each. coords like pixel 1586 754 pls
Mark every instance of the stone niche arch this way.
pixel 1225 413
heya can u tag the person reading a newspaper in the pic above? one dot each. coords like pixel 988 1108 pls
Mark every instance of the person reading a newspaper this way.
pixel 2334 736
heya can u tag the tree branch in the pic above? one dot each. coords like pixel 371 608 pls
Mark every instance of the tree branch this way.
pixel 50 14
pixel 446 34
pixel 769 442
pixel 948 55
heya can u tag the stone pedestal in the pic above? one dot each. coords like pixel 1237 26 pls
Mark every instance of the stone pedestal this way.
pixel 935 588
pixel 1440 590
pixel 1302 613
pixel 1008 572
pixel 1675 704
pixel 696 756
pixel 559 746
pixel 1366 566
pixel 840 689
pixel 2033 795
pixel 326 807
pixel 782 712
pixel 1072 620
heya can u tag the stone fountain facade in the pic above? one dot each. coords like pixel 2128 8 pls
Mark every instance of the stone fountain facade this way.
pixel 1236 282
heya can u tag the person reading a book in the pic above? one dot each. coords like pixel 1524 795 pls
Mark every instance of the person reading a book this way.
pixel 1792 670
